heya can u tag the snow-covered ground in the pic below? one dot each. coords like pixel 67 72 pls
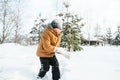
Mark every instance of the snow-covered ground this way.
pixel 93 63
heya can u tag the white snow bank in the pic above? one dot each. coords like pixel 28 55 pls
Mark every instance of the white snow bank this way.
pixel 94 63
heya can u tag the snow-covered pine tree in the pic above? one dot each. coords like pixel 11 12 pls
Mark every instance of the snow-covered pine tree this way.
pixel 36 31
pixel 71 30
pixel 116 40
pixel 109 36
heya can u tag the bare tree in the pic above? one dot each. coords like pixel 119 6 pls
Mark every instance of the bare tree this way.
pixel 17 22
pixel 97 31
pixel 6 20
pixel 10 21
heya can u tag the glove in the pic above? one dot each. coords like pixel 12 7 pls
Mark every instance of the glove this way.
pixel 59 50
pixel 62 51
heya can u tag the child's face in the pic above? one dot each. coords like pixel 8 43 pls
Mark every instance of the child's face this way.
pixel 57 30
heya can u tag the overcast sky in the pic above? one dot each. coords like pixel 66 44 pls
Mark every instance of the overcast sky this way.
pixel 103 12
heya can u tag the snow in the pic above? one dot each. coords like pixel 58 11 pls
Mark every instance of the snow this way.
pixel 93 63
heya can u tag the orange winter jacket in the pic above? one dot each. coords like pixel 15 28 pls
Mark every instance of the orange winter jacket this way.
pixel 49 40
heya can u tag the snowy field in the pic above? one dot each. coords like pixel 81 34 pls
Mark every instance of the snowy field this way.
pixel 94 63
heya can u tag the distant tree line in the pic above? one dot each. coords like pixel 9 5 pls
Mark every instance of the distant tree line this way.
pixel 112 38
pixel 103 39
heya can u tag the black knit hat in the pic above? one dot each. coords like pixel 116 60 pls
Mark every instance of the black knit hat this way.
pixel 56 24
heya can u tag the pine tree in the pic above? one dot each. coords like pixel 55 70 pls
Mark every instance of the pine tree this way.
pixel 109 36
pixel 36 31
pixel 116 40
pixel 71 30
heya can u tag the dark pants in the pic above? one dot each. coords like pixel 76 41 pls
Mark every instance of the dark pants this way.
pixel 45 66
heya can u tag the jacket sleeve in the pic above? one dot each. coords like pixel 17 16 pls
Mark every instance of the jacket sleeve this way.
pixel 59 40
pixel 47 43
